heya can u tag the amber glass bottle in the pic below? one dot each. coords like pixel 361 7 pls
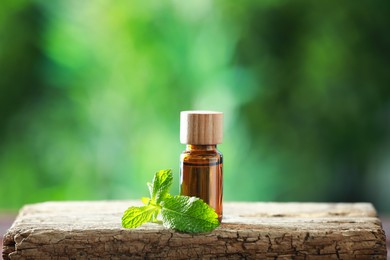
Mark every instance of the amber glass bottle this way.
pixel 201 163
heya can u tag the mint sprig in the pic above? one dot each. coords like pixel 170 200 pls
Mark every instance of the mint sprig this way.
pixel 136 216
pixel 182 213
pixel 189 214
pixel 160 185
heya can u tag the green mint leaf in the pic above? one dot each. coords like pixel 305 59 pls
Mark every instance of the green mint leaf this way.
pixel 145 201
pixel 188 214
pixel 159 188
pixel 183 213
pixel 136 216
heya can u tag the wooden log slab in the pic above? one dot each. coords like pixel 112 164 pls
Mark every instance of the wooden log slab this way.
pixel 92 230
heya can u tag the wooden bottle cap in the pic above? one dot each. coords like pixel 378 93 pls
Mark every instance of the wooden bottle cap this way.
pixel 201 127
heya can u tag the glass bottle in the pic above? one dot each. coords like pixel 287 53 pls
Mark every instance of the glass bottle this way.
pixel 201 163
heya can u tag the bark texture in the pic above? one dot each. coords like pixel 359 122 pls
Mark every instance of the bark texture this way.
pixel 92 230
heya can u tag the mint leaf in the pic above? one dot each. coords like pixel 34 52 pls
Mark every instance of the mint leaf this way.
pixel 136 216
pixel 183 213
pixel 188 214
pixel 159 188
pixel 145 201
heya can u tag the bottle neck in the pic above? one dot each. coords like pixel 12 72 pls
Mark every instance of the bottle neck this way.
pixel 201 147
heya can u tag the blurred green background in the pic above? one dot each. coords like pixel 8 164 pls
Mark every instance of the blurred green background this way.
pixel 90 95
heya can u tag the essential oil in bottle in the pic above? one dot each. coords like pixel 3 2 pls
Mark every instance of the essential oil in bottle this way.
pixel 201 162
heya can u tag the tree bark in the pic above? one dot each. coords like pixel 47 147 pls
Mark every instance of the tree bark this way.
pixel 92 230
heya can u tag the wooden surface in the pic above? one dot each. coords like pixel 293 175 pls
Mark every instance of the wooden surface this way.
pixel 250 230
